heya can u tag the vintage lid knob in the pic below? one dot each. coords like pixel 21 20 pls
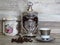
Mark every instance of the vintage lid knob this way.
pixel 30 6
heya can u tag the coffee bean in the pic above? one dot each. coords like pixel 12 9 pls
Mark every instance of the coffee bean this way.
pixel 21 39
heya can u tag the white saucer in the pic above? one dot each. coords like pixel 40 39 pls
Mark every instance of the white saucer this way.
pixel 38 38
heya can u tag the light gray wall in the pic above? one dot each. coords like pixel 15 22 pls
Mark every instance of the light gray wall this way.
pixel 53 25
pixel 48 11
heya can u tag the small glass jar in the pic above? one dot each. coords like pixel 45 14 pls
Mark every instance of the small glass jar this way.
pixel 10 26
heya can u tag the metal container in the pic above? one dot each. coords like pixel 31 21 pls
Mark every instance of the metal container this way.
pixel 10 26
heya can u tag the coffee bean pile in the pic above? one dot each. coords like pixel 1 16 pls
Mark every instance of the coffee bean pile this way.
pixel 21 39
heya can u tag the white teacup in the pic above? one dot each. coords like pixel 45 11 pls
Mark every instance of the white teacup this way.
pixel 45 32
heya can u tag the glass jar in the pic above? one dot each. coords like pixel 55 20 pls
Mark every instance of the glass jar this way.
pixel 29 21
pixel 10 26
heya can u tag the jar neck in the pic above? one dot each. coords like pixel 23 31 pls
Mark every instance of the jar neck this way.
pixel 30 8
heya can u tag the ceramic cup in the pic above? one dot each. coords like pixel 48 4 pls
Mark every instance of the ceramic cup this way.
pixel 45 32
